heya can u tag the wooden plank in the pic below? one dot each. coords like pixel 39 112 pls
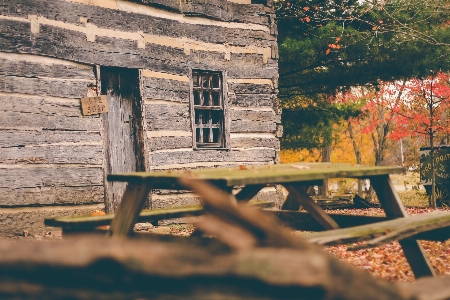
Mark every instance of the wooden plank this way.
pixel 176 117
pixel 53 154
pixel 44 86
pixel 217 9
pixel 22 67
pixel 392 205
pixel 161 158
pixel 88 222
pixel 249 88
pixel 255 141
pixel 385 231
pixel 254 100
pixel 166 89
pixel 173 200
pixel 48 122
pixel 51 195
pixel 160 23
pixel 24 103
pixel 167 117
pixel 119 52
pixel 22 176
pixel 299 192
pixel 133 200
pixel 299 220
pixel 262 174
pixel 19 138
pixel 253 121
pixel 169 142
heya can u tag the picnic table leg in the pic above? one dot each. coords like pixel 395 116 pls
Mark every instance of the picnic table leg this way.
pixel 248 192
pixel 300 195
pixel 393 207
pixel 130 207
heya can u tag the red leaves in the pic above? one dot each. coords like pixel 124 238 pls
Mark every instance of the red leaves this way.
pixel 306 19
pixel 335 46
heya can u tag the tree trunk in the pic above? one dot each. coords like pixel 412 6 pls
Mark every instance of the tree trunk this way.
pixel 326 157
pixel 357 154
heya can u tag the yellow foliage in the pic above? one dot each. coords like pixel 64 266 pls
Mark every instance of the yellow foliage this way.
pixel 342 150
pixel 299 155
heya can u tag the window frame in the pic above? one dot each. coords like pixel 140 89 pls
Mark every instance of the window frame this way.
pixel 197 111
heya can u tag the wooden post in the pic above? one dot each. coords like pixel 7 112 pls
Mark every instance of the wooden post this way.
pixel 133 201
pixel 392 205
pixel 299 193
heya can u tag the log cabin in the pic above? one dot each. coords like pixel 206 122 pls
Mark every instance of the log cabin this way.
pixel 182 84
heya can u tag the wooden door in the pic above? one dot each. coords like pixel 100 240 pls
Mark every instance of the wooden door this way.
pixel 123 128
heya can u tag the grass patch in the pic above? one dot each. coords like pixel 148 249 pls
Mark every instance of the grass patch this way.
pixel 414 198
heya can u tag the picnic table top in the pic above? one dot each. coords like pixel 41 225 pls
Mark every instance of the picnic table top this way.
pixel 257 175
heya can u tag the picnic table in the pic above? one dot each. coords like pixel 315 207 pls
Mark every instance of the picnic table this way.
pixel 296 178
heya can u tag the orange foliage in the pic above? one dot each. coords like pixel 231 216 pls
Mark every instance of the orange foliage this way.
pixel 342 151
pixel 299 155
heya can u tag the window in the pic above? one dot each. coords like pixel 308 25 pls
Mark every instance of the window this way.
pixel 208 109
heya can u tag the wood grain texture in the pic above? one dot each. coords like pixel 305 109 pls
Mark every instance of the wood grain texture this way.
pixel 16 138
pixel 167 117
pixel 175 142
pixel 118 52
pixel 169 142
pixel 176 117
pixel 49 175
pixel 262 155
pixel 253 120
pixel 217 9
pixel 159 23
pixel 20 67
pixel 49 185
pixel 250 142
pixel 22 103
pixel 249 88
pixel 48 122
pixel 44 86
pixel 128 210
pixel 121 126
pixel 51 195
pixel 166 89
pixel 53 154
pixel 385 232
pixel 306 173
pixel 253 100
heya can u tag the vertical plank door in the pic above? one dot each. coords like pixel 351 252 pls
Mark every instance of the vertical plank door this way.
pixel 122 128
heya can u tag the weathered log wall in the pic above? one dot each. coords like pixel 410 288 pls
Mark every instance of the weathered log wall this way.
pixel 51 154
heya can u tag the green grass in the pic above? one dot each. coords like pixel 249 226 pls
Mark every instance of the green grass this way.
pixel 414 198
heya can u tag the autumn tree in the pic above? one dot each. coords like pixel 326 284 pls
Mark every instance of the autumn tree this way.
pixel 425 113
pixel 329 46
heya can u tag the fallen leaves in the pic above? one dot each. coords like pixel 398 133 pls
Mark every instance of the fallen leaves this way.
pixel 388 261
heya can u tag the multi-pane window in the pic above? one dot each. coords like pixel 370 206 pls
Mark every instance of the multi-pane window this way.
pixel 208 109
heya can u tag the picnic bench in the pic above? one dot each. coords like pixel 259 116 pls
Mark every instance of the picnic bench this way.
pixel 296 178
